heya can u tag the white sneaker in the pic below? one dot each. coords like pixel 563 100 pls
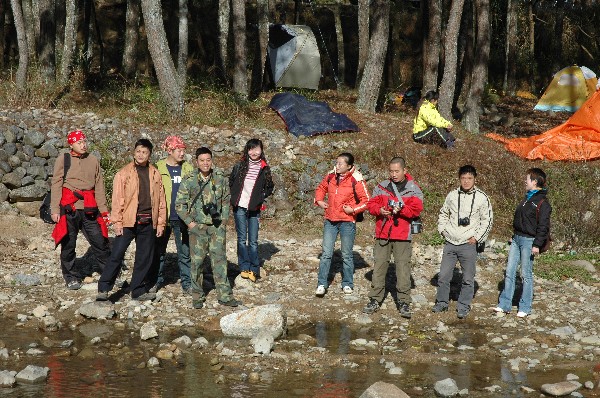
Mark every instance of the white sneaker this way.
pixel 320 291
pixel 522 314
pixel 348 290
pixel 498 309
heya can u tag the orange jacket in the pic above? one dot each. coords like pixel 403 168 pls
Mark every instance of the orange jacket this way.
pixel 342 194
pixel 125 197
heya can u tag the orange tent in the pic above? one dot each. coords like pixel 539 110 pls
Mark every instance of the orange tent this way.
pixel 576 139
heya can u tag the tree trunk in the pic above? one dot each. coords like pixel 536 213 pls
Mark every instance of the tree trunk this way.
pixel 340 46
pixel 480 69
pixel 363 38
pixel 182 56
pixel 30 27
pixel 467 42
pixel 240 76
pixel 47 42
pixel 22 43
pixel 260 55
pixel 69 41
pixel 451 57
pixel 532 68
pixel 431 45
pixel 509 52
pixel 132 36
pixel 368 91
pixel 224 18
pixel 297 11
pixel 2 33
pixel 161 56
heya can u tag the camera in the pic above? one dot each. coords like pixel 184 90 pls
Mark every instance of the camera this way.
pixel 463 222
pixel 211 209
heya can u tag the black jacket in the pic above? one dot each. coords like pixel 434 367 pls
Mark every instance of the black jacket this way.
pixel 532 218
pixel 263 187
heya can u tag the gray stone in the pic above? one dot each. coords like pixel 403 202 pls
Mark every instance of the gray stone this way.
pixel 263 342
pixel 4 353
pixel 10 135
pixel 32 374
pixel 446 388
pixel 97 310
pixel 153 362
pixel 7 209
pixel 34 138
pixel 10 148
pixel 564 331
pixel 30 193
pixel 200 342
pixel 183 341
pixel 382 389
pixel 27 180
pixel 7 378
pixel 37 172
pixel 13 180
pixel 37 161
pixel 31 209
pixel 2 139
pixel 49 324
pixel 35 352
pixel 96 329
pixel 27 280
pixel 3 155
pixel 46 151
pixel 14 161
pixel 560 389
pixel 4 192
pixel 584 264
pixel 248 323
pixel 5 167
pixel 148 331
pixel 28 151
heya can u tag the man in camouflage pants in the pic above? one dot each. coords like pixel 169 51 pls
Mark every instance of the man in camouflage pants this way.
pixel 203 204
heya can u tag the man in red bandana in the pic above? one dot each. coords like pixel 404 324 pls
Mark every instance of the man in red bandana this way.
pixel 79 203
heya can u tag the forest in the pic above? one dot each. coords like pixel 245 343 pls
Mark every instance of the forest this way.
pixel 464 48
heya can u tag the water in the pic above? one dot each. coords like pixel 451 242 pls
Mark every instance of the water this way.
pixel 113 370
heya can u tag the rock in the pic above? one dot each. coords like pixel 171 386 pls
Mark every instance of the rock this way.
pixel 31 209
pixel 7 378
pixel 27 280
pixel 560 389
pixel 35 352
pixel 164 354
pixel 584 264
pixel 13 180
pixel 564 331
pixel 200 342
pixel 30 193
pixel 4 353
pixel 248 323
pixel 40 311
pixel 396 371
pixel 32 374
pixel 382 389
pixel 153 362
pixel 263 342
pixel 591 340
pixel 49 324
pixel 97 310
pixel 183 341
pixel 148 331
pixel 446 388
pixel 4 192
pixel 96 329
pixel 34 138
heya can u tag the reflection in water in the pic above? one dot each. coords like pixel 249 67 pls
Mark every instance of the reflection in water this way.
pixel 343 333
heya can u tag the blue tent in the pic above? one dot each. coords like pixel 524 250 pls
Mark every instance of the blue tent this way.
pixel 304 117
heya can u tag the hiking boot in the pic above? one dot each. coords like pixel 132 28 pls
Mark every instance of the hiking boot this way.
pixel 187 291
pixel 74 285
pixel 251 276
pixel 372 307
pixel 348 290
pixel 197 304
pixel 244 274
pixel 320 292
pixel 439 307
pixel 102 296
pixel 404 310
pixel 462 313
pixel 145 297
pixel 231 302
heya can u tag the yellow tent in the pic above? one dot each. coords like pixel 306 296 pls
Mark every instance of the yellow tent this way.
pixel 568 90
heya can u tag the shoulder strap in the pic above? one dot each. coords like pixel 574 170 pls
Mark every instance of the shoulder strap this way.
pixel 354 191
pixel 66 166
pixel 537 210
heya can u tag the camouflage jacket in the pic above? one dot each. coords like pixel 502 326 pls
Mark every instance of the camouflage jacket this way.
pixel 195 193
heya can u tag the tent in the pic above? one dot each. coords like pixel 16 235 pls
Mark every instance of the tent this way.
pixel 304 117
pixel 568 90
pixel 576 139
pixel 294 56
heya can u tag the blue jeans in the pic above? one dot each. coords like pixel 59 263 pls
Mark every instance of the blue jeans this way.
pixel 520 252
pixel 247 223
pixel 182 242
pixel 347 231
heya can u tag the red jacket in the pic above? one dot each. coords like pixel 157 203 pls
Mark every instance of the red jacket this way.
pixel 396 227
pixel 342 193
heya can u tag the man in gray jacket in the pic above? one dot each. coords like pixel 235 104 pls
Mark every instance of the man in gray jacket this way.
pixel 465 221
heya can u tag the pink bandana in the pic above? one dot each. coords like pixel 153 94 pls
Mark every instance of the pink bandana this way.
pixel 75 136
pixel 173 142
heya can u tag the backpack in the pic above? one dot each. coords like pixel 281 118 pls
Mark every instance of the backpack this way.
pixel 45 212
pixel 360 217
pixel 548 241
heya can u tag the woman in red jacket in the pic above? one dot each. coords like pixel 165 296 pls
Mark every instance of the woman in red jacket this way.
pixel 347 197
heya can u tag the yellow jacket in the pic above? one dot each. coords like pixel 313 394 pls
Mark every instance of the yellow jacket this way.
pixel 428 116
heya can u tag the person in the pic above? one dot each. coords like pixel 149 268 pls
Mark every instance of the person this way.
pixel 138 212
pixel 78 203
pixel 347 197
pixel 531 225
pixel 465 221
pixel 396 203
pixel 250 183
pixel 172 169
pixel 429 126
pixel 203 205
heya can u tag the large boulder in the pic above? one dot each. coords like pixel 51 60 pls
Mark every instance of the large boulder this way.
pixel 30 193
pixel 32 374
pixel 14 179
pixel 34 138
pixel 381 389
pixel 269 318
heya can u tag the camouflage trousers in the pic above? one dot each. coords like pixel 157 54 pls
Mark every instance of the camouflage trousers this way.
pixel 209 240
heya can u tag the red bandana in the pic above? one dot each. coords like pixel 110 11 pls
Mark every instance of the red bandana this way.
pixel 75 136
pixel 173 142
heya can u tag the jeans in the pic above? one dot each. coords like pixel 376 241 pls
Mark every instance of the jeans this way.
pixel 182 242
pixel 466 254
pixel 347 231
pixel 247 223
pixel 520 252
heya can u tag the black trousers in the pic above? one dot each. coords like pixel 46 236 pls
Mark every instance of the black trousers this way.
pixel 435 135
pixel 79 221
pixel 144 236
